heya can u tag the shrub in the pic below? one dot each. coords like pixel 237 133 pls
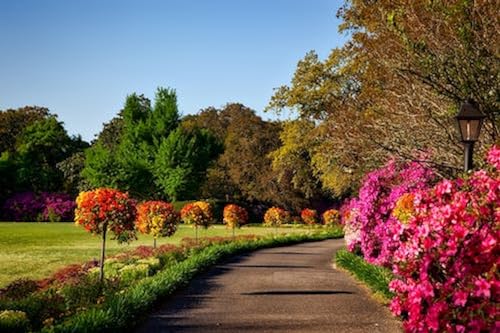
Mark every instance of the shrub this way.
pixel 13 321
pixel 24 206
pixel 106 209
pixel 235 216
pixel 28 206
pixel 447 264
pixel 309 216
pixel 198 214
pixel 331 217
pixel 19 289
pixel 156 218
pixel 57 207
pixel 370 216
pixel 275 216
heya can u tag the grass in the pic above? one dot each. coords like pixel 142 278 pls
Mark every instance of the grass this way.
pixel 36 250
pixel 375 277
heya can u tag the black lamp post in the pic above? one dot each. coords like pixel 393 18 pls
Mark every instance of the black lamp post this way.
pixel 470 120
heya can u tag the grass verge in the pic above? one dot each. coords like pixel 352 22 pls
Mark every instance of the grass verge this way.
pixel 375 277
pixel 124 310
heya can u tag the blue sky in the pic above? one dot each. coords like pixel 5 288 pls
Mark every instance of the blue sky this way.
pixel 81 58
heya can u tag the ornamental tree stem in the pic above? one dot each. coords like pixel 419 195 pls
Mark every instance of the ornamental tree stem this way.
pixel 103 252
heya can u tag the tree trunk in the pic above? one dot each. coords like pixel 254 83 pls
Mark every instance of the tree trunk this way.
pixel 103 250
pixel 234 233
pixel 154 243
pixel 196 233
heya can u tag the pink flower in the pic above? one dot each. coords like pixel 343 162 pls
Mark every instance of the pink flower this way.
pixel 482 288
pixel 460 298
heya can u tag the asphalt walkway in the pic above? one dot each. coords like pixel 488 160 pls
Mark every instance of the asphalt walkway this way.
pixel 285 289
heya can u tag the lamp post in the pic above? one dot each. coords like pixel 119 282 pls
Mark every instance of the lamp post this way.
pixel 470 120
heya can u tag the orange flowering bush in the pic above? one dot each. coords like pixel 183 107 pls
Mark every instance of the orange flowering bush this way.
pixel 276 216
pixel 331 217
pixel 309 216
pixel 156 218
pixel 104 210
pixel 234 216
pixel 199 214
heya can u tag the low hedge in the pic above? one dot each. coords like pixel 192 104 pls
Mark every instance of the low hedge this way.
pixel 377 278
pixel 123 311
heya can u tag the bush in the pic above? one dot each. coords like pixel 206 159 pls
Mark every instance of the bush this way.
pixel 331 217
pixel 447 264
pixel 235 216
pixel 309 216
pixel 19 289
pixel 48 207
pixel 369 216
pixel 198 214
pixel 156 218
pixel 13 322
pixel 275 216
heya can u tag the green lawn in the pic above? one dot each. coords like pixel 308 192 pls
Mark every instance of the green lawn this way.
pixel 35 250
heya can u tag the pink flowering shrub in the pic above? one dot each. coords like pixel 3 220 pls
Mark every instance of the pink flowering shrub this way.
pixel 447 264
pixel 28 207
pixel 368 219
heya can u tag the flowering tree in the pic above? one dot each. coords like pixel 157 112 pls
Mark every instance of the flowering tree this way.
pixel 331 217
pixel 198 214
pixel 156 218
pixel 447 262
pixel 275 216
pixel 234 216
pixel 103 210
pixel 309 216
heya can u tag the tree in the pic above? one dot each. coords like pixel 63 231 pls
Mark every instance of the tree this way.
pixel 14 121
pixel 182 160
pixel 394 88
pixel 156 218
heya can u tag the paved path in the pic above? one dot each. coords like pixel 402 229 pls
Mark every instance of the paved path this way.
pixel 285 289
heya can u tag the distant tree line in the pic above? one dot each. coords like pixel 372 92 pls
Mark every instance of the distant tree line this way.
pixel 152 152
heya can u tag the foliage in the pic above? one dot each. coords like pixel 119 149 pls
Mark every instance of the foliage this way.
pixel 275 216
pixel 12 321
pixel 371 212
pixel 331 217
pixel 394 87
pixel 106 209
pixel 198 213
pixel 156 218
pixel 29 206
pixel 235 216
pixel 376 277
pixel 182 160
pixel 447 262
pixel 309 216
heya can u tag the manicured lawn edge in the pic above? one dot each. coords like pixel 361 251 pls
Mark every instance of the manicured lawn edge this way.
pixel 124 311
pixel 375 277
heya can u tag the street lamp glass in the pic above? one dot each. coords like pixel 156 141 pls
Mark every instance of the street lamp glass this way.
pixel 470 120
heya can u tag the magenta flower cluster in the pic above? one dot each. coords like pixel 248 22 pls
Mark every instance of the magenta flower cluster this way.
pixel 446 256
pixel 447 264
pixel 368 218
pixel 28 206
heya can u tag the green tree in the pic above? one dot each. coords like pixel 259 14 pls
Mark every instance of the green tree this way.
pixel 182 160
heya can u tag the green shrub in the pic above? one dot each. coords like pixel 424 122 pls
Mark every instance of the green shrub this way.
pixel 12 321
